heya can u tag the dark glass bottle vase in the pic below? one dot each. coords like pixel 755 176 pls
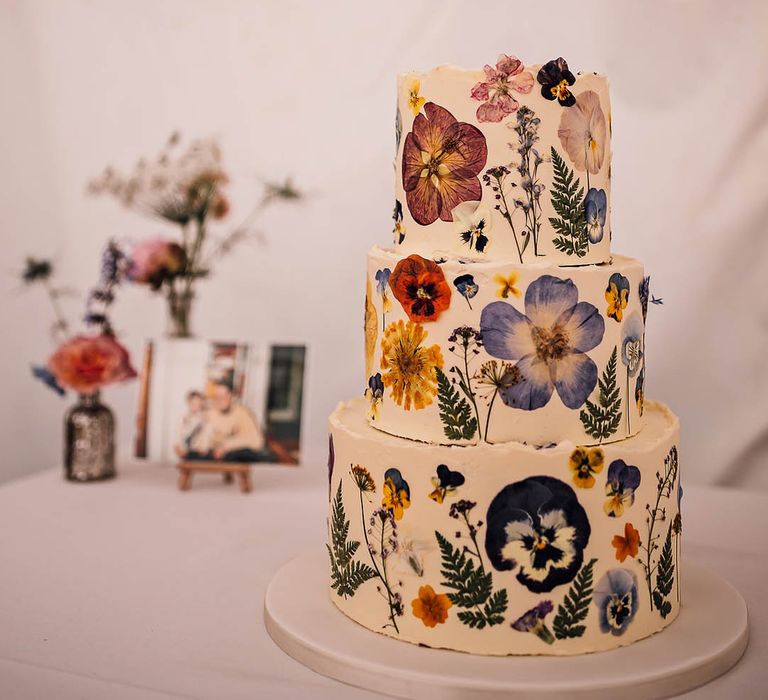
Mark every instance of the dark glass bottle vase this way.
pixel 89 440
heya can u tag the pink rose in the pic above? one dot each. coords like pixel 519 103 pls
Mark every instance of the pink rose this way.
pixel 86 363
pixel 155 261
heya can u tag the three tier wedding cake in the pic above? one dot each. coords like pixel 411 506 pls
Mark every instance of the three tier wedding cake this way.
pixel 504 487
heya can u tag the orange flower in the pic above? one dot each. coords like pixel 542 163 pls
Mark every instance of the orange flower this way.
pixel 86 363
pixel 628 545
pixel 430 607
pixel 408 368
pixel 419 285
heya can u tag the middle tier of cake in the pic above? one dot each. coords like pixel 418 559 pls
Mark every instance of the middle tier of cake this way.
pixel 462 352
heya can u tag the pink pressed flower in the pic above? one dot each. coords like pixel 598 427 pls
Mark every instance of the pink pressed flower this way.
pixel 154 261
pixel 495 91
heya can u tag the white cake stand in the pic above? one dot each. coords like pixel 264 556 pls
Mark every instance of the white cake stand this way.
pixel 707 639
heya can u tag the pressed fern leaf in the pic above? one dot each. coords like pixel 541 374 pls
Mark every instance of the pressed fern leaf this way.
pixel 665 577
pixel 455 412
pixel 472 588
pixel 602 419
pixel 575 606
pixel 567 197
pixel 347 575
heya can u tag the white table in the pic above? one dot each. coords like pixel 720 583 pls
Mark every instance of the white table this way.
pixel 131 589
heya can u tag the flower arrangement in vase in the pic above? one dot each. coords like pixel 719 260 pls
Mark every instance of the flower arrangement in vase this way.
pixel 185 188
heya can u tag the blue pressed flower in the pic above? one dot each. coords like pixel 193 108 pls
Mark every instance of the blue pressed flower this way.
pixel 538 527
pixel 616 599
pixel 47 377
pixel 549 342
pixel 466 286
pixel 382 280
pixel 533 621
pixel 595 208
pixel 622 481
pixel 644 293
pixel 445 483
pixel 555 78
pixel 375 394
pixel 632 343
pixel 394 475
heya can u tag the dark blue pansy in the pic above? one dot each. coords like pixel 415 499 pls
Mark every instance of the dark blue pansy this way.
pixel 549 342
pixel 622 481
pixel 396 477
pixel 595 208
pixel 644 293
pixel 397 216
pixel 640 391
pixel 466 286
pixel 555 79
pixel 446 482
pixel 376 386
pixel 617 601
pixel 538 526
pixel 331 462
pixel 47 378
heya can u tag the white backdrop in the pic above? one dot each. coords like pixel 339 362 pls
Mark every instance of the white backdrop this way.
pixel 307 89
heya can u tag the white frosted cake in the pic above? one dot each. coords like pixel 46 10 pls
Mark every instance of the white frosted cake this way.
pixel 503 473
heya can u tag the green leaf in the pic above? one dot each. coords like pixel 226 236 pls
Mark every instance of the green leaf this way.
pixel 455 412
pixel 567 197
pixel 347 575
pixel 602 419
pixel 665 577
pixel 471 588
pixel 575 606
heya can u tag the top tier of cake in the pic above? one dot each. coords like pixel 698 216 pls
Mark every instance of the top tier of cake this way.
pixel 511 162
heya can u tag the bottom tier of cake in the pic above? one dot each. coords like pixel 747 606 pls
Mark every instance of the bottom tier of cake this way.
pixel 505 549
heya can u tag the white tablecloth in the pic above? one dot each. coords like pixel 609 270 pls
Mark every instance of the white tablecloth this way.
pixel 131 589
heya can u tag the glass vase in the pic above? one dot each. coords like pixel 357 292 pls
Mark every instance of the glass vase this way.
pixel 89 440
pixel 179 311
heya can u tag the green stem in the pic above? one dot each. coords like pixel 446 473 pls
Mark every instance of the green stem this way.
pixel 508 217
pixel 471 395
pixel 629 407
pixel 488 416
pixel 474 542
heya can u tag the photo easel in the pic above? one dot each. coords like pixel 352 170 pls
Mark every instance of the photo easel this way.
pixel 229 470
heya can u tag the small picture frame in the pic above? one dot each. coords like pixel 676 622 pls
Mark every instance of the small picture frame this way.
pixel 216 401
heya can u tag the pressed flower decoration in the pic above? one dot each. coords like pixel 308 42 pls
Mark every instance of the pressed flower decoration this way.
pixel 420 287
pixel 467 287
pixel 375 394
pixel 555 79
pixel 616 599
pixel 363 479
pixel 585 462
pixel 493 377
pixel 595 208
pixel 627 545
pixel 632 353
pixel 442 158
pixel 583 133
pixel 533 622
pixel 622 481
pixel 382 288
pixel 507 285
pixel 640 391
pixel 445 483
pixel 549 343
pixel 397 493
pixel 430 607
pixel 415 100
pixel 617 296
pixel 495 92
pixel 397 217
pixel 538 527
pixel 644 292
pixel 331 463
pixel 371 326
pixel 409 368
pixel 472 223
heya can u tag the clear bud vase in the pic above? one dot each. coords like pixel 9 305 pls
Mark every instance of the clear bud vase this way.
pixel 89 440
pixel 179 310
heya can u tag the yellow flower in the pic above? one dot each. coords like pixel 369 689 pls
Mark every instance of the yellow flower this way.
pixel 430 607
pixel 363 479
pixel 507 285
pixel 409 368
pixel 371 329
pixel 585 462
pixel 415 101
pixel 395 500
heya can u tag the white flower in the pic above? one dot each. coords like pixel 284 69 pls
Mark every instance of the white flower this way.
pixel 472 223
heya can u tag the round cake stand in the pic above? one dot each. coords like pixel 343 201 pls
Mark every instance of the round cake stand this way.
pixel 708 638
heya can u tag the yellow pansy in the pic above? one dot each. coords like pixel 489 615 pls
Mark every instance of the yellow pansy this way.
pixel 395 500
pixel 415 101
pixel 507 285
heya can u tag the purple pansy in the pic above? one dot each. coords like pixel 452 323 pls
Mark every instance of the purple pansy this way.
pixel 616 599
pixel 533 621
pixel 549 343
pixel 620 485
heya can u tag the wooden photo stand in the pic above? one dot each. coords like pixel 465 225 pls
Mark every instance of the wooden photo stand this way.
pixel 229 470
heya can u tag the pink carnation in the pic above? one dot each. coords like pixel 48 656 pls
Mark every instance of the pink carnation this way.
pixel 500 82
